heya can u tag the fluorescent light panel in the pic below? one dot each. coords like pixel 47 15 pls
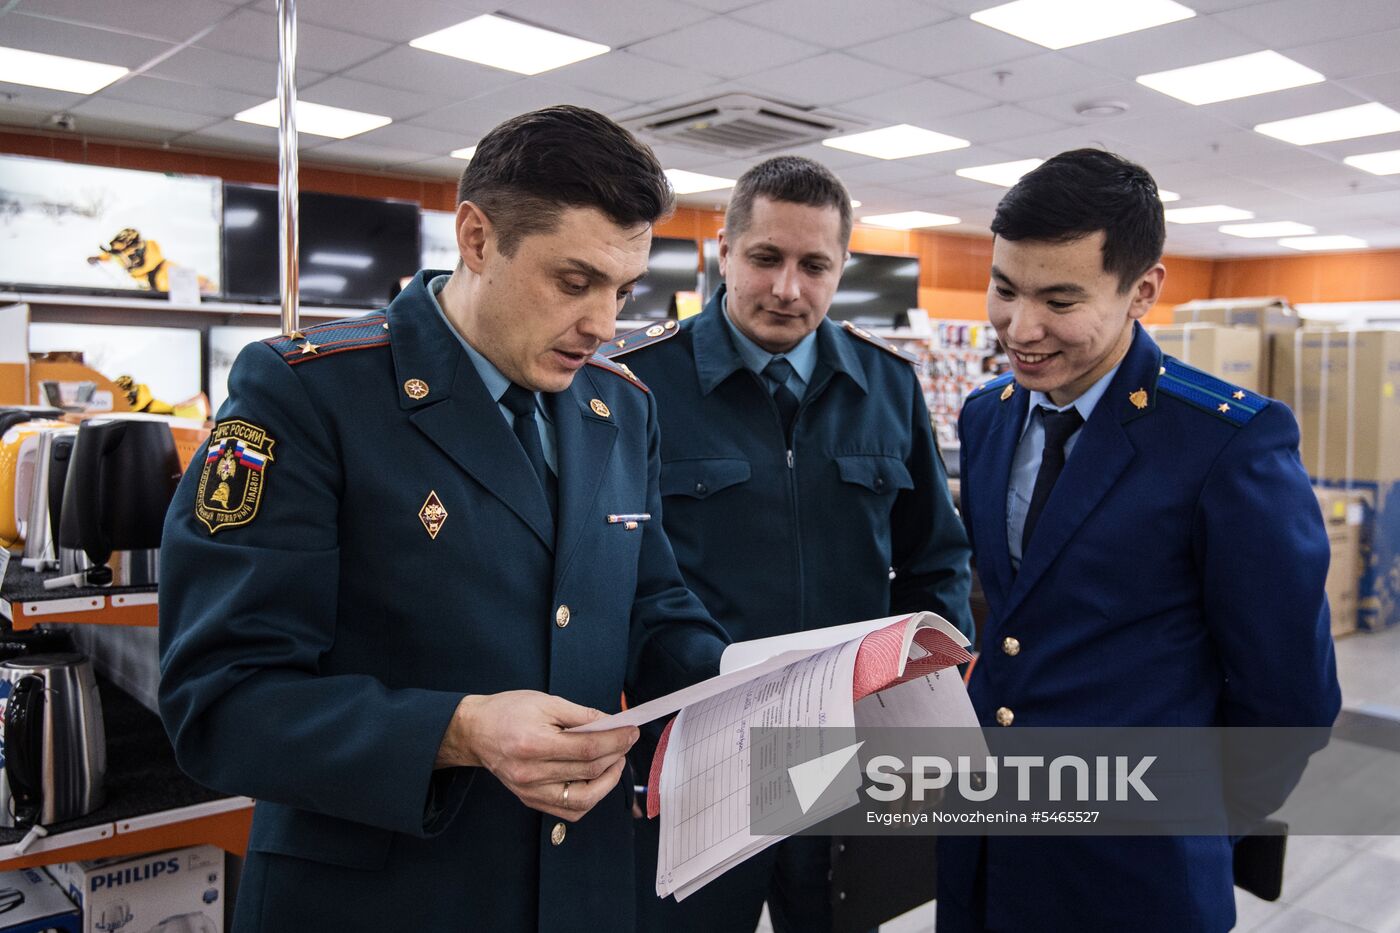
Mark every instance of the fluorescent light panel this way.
pixel 1208 214
pixel 896 142
pixel 1004 174
pixel 1059 24
pixel 1314 243
pixel 316 119
pixel 1377 163
pixel 1231 78
pixel 1274 229
pixel 508 45
pixel 1164 195
pixel 910 220
pixel 683 182
pixel 74 75
pixel 464 154
pixel 1330 125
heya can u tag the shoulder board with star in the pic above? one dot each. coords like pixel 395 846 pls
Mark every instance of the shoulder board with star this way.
pixel 641 337
pixel 1002 386
pixel 321 340
pixel 617 369
pixel 1209 393
pixel 863 334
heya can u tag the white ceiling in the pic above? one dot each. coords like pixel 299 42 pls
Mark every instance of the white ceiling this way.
pixel 197 62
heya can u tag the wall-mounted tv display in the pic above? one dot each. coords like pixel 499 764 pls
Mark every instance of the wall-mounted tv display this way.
pixel 672 267
pixel 438 234
pixel 353 251
pixel 87 227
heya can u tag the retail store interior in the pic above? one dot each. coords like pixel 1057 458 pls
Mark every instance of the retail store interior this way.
pixel 135 131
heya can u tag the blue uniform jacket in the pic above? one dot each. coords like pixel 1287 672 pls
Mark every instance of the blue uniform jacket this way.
pixel 1176 579
pixel 774 545
pixel 398 554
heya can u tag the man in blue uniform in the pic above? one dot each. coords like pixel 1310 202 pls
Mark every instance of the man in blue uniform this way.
pixel 394 577
pixel 1150 548
pixel 801 482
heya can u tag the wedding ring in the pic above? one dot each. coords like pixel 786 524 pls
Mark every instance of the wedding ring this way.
pixel 564 801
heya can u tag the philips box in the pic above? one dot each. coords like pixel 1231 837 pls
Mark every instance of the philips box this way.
pixel 31 903
pixel 180 891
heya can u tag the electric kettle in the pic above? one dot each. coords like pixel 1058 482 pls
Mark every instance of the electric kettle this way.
pixel 11 443
pixel 55 747
pixel 33 488
pixel 121 477
pixel 11 415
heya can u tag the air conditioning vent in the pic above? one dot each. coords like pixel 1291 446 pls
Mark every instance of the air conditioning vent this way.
pixel 738 125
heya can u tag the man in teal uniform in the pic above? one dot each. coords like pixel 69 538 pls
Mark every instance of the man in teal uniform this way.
pixel 1149 545
pixel 392 580
pixel 801 482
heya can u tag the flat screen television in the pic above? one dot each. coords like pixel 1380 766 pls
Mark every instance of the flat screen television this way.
pixel 672 267
pixel 352 253
pixel 89 228
pixel 875 290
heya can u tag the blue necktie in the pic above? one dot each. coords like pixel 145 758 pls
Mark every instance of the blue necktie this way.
pixel 521 403
pixel 1059 426
pixel 779 371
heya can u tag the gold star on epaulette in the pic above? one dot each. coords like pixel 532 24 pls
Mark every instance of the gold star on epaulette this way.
pixel 1239 395
pixel 309 347
pixel 1224 407
pixel 296 335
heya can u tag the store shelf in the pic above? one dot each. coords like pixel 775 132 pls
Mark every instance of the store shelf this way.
pixel 24 603
pixel 151 805
pixel 212 306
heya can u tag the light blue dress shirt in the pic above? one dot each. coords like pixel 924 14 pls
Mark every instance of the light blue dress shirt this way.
pixel 1026 464
pixel 497 383
pixel 802 357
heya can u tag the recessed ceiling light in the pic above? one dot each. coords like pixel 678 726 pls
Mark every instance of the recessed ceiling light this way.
pixel 1377 163
pixel 1101 108
pixel 1346 123
pixel 74 75
pixel 1275 229
pixel 464 154
pixel 1231 78
pixel 1164 195
pixel 1004 174
pixel 896 142
pixel 683 182
pixel 1312 243
pixel 1209 214
pixel 316 119
pixel 910 220
pixel 508 45
pixel 1058 24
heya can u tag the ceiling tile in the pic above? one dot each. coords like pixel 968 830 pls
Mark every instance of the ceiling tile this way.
pixel 394 22
pixel 630 77
pixel 171 21
pixel 1248 112
pixel 441 168
pixel 180 95
pixel 991 124
pixel 1175 45
pixel 1141 101
pixel 720 6
pixel 34 34
pixel 418 138
pixel 828 80
pixel 371 98
pixel 481 113
pixel 1351 56
pixel 123 112
pixel 730 49
pixel 615 23
pixel 1382 88
pixel 25 99
pixel 254 33
pixel 1283 22
pixel 411 69
pixel 837 24
pixel 249 137
pixel 354 152
pixel 920 103
pixel 949 47
pixel 1028 78
pixel 230 72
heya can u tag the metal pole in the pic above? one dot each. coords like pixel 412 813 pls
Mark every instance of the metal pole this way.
pixel 287 161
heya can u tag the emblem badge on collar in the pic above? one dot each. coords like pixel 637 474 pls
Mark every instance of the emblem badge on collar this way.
pixel 416 389
pixel 1006 392
pixel 599 408
pixel 1138 398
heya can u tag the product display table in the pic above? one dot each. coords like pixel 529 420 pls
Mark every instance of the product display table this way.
pixel 24 603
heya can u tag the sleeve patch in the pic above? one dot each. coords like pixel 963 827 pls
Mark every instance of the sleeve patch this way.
pixel 233 475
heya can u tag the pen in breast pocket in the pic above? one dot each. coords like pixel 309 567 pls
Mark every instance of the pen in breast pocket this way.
pixel 624 518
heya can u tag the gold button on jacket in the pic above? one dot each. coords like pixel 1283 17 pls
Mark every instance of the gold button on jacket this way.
pixel 1011 646
pixel 557 834
pixel 1004 716
pixel 561 616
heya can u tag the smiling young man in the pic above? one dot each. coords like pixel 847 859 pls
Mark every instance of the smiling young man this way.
pixel 1150 548
pixel 391 582
pixel 799 475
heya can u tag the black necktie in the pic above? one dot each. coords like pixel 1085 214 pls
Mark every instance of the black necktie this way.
pixel 779 371
pixel 521 403
pixel 1059 425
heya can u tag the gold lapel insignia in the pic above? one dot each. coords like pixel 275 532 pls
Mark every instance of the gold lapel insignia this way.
pixel 416 389
pixel 1239 395
pixel 1006 392
pixel 309 347
pixel 599 408
pixel 1138 398
pixel 432 514
pixel 655 330
pixel 1224 407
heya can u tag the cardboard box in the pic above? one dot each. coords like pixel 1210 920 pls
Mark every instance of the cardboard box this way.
pixel 31 903
pixel 1344 513
pixel 1232 353
pixel 1342 387
pixel 1378 557
pixel 1271 315
pixel 180 889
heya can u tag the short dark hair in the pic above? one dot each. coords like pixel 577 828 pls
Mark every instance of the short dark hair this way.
pixel 795 179
pixel 528 168
pixel 1079 192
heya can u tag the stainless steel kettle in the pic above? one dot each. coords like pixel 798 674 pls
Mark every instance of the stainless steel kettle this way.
pixel 55 745
pixel 41 498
